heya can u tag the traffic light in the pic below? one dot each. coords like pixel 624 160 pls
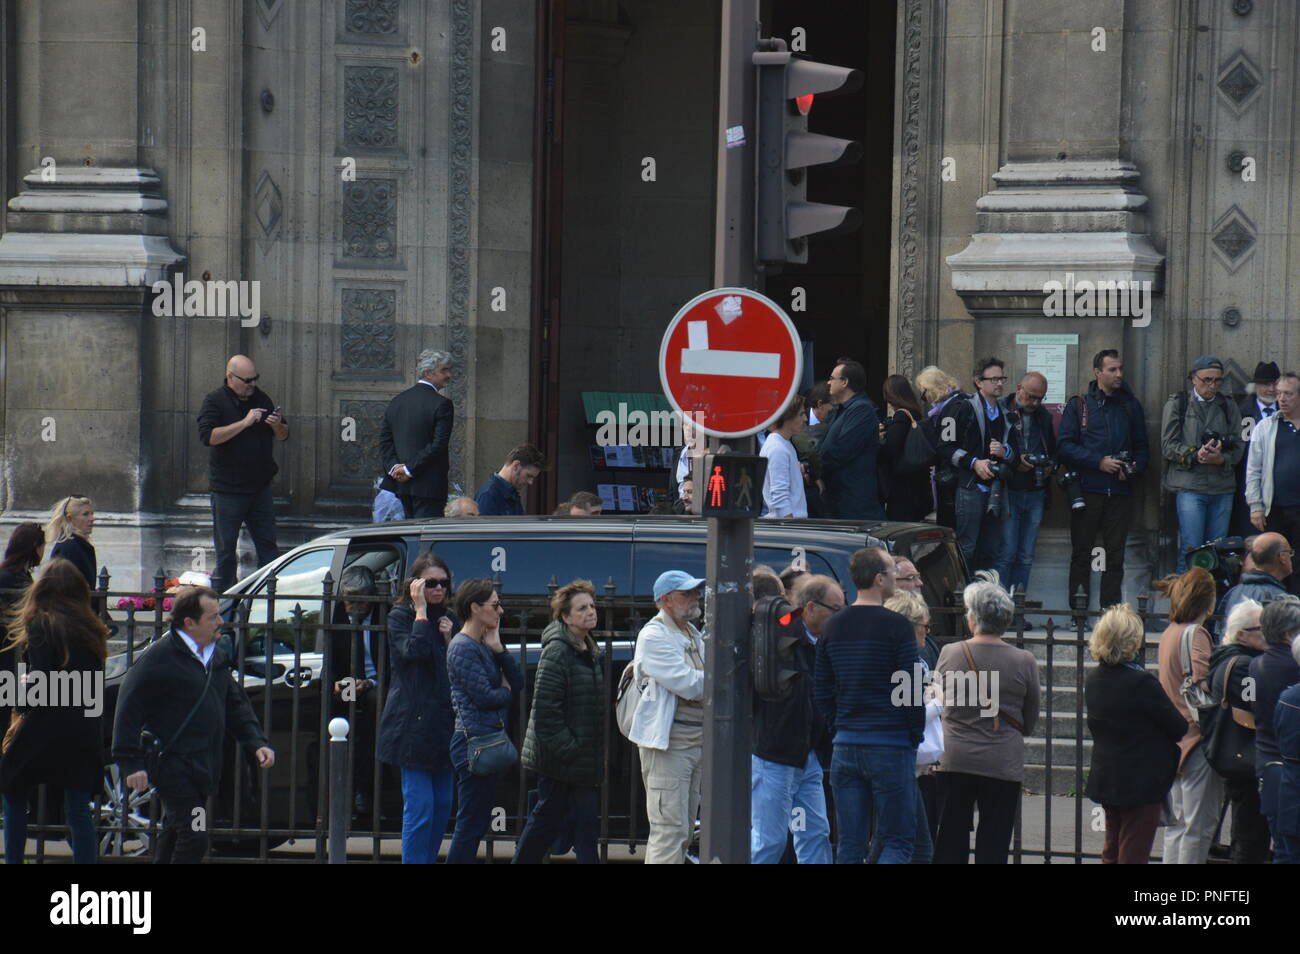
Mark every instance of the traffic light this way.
pixel 775 631
pixel 784 219
pixel 733 485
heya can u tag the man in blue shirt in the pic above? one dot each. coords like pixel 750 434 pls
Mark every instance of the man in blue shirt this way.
pixel 499 495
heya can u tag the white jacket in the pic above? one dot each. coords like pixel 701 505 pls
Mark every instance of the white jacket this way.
pixel 783 492
pixel 660 659
pixel 1259 465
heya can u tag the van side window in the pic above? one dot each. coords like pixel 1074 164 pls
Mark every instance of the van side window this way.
pixel 525 567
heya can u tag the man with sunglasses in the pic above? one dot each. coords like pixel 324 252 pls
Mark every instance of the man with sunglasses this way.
pixel 975 437
pixel 1200 440
pixel 239 422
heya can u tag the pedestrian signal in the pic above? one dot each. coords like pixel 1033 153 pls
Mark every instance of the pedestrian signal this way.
pixel 733 485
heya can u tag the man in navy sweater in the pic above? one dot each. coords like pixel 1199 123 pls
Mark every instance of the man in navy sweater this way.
pixel 862 649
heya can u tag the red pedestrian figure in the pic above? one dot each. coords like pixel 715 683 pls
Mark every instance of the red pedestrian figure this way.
pixel 716 486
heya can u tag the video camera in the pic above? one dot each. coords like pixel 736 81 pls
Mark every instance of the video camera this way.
pixel 1223 558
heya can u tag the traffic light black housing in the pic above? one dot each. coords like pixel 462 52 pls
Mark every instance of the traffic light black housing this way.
pixel 775 632
pixel 733 485
pixel 784 218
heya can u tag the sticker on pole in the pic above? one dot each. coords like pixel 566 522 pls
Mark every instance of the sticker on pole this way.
pixel 731 360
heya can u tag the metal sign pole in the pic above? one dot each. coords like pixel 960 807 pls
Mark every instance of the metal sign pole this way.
pixel 728 692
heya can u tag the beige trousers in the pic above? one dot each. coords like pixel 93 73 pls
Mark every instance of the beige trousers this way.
pixel 672 800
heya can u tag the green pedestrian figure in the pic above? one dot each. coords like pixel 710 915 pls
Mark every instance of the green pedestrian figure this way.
pixel 743 499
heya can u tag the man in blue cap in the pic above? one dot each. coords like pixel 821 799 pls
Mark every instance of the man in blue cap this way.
pixel 1200 440
pixel 668 724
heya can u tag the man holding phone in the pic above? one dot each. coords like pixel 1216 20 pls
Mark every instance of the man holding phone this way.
pixel 239 422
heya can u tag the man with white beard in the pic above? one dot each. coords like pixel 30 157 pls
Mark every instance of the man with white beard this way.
pixel 668 724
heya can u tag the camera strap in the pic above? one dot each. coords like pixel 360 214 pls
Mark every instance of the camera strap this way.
pixel 185 723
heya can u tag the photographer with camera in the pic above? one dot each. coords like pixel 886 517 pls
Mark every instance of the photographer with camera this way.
pixel 976 442
pixel 1030 481
pixel 1201 445
pixel 1103 443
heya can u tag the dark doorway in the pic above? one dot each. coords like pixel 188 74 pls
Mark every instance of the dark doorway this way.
pixel 846 280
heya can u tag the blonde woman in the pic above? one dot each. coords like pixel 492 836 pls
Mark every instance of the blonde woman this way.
pixel 937 387
pixel 71 522
pixel 1135 733
pixel 909 604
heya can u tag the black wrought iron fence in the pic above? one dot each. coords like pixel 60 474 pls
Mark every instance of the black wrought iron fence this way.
pixel 286 649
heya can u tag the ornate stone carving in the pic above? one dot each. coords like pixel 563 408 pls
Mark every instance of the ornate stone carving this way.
pixel 359 459
pixel 909 264
pixel 267 11
pixel 370 107
pixel 372 17
pixel 369 339
pixel 268 207
pixel 1234 238
pixel 460 130
pixel 370 219
pixel 1239 82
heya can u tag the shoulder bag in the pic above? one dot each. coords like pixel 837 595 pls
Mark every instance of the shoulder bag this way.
pixel 152 746
pixel 1232 745
pixel 1192 693
pixel 492 753
pixel 1013 722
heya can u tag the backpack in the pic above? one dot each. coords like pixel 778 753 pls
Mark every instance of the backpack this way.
pixel 629 696
pixel 1195 697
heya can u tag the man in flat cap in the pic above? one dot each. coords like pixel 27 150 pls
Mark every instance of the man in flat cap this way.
pixel 1200 440
pixel 1254 408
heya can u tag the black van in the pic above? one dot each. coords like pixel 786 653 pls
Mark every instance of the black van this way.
pixel 528 556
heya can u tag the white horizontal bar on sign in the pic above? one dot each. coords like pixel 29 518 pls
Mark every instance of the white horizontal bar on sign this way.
pixel 734 364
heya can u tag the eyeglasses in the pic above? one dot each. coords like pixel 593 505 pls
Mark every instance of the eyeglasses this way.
pixel 437 581
pixel 833 609
pixel 1213 381
pixel 1001 380
pixel 495 606
pixel 909 579
pixel 253 380
pixel 1250 629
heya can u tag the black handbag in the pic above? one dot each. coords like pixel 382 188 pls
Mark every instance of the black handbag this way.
pixel 1231 750
pixel 492 753
pixel 920 452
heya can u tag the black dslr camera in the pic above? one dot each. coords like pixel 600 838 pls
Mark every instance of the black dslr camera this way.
pixel 997 492
pixel 1226 441
pixel 1127 464
pixel 1041 463
pixel 1069 482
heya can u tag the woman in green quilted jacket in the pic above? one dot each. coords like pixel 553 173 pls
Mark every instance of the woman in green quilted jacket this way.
pixel 565 742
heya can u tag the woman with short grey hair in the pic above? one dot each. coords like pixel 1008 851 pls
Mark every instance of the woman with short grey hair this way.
pixel 990 704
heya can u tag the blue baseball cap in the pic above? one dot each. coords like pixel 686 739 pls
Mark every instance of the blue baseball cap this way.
pixel 672 580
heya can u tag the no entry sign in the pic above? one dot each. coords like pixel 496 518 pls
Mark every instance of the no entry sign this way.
pixel 731 361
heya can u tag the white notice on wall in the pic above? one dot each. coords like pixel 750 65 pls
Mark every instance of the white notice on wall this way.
pixel 1049 360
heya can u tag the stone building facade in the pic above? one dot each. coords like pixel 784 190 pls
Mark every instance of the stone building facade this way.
pixel 470 175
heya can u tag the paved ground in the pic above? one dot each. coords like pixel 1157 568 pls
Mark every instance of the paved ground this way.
pixel 1034 826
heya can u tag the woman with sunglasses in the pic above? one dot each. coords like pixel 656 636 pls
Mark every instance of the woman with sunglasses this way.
pixel 415 729
pixel 484 680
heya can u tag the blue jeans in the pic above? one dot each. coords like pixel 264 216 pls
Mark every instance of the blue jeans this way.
pixel 557 803
pixel 1201 518
pixel 978 532
pixel 1020 536
pixel 475 795
pixel 778 791
pixel 875 782
pixel 923 847
pixel 229 513
pixel 81 827
pixel 426 806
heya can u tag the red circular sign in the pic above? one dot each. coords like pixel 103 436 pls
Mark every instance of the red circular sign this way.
pixel 731 360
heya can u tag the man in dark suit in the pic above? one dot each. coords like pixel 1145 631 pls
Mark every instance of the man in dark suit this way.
pixel 1256 407
pixel 851 446
pixel 415 438
pixel 358 657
